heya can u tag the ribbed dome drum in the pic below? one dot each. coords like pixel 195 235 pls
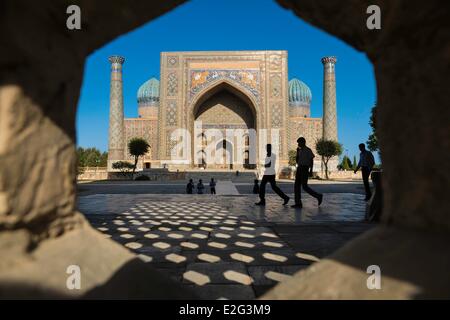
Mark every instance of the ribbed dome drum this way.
pixel 148 92
pixel 299 93
pixel 299 98
pixel 148 99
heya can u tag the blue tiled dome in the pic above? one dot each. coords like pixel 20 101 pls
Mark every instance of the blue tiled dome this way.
pixel 148 92
pixel 299 93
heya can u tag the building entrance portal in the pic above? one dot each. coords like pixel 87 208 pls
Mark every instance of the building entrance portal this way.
pixel 227 115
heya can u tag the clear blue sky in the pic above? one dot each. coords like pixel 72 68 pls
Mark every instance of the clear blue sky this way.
pixel 229 25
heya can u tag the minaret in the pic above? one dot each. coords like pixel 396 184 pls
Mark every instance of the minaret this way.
pixel 329 99
pixel 116 129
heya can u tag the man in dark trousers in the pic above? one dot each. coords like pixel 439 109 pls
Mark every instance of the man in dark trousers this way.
pixel 269 176
pixel 305 161
pixel 366 163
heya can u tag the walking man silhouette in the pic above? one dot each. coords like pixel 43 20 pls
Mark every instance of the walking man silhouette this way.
pixel 366 163
pixel 304 160
pixel 269 176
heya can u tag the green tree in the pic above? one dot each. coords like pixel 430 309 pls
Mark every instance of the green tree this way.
pixel 292 154
pixel 91 157
pixel 123 166
pixel 355 164
pixel 372 141
pixel 80 157
pixel 137 147
pixel 103 159
pixel 346 163
pixel 328 149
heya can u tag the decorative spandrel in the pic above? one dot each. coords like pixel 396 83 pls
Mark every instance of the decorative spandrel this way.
pixel 249 79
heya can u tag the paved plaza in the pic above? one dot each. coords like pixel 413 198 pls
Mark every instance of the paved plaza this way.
pixel 225 246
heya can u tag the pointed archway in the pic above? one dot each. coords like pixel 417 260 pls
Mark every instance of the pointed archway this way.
pixel 225 109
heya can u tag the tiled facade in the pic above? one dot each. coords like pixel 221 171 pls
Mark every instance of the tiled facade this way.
pixel 225 90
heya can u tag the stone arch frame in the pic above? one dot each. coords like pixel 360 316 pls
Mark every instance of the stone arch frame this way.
pixel 239 90
pixel 31 116
pixel 215 87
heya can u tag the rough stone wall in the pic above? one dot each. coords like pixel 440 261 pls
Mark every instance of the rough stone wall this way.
pixel 41 67
pixel 407 53
pixel 41 70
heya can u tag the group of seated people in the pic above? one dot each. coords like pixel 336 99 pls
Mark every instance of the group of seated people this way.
pixel 200 186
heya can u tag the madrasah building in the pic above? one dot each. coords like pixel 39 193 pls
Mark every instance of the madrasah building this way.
pixel 222 91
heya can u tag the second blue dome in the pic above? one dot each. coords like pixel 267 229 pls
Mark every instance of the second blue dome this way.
pixel 299 93
pixel 148 92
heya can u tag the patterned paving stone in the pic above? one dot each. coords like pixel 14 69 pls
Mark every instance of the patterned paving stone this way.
pixel 216 272
pixel 271 275
pixel 225 247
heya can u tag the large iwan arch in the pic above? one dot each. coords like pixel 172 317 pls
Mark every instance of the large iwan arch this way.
pixel 225 108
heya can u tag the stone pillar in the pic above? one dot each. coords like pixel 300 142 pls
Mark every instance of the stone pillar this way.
pixel 116 124
pixel 329 99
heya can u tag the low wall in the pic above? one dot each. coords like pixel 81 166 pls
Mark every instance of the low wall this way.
pixel 158 174
pixel 92 173
pixel 289 173
pixel 346 175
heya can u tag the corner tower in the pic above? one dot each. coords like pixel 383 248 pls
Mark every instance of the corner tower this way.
pixel 329 99
pixel 116 124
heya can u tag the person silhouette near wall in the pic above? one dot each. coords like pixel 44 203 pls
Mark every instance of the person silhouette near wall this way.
pixel 212 186
pixel 269 176
pixel 366 163
pixel 200 187
pixel 190 187
pixel 305 161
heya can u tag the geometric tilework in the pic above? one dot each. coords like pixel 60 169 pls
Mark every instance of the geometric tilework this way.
pixel 274 61
pixel 249 79
pixel 170 144
pixel 171 113
pixel 172 61
pixel 277 116
pixel 275 85
pixel 329 99
pixel 145 129
pixel 116 115
pixel 172 84
pixel 329 111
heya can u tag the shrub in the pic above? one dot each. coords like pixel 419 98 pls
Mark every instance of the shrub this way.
pixel 142 178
